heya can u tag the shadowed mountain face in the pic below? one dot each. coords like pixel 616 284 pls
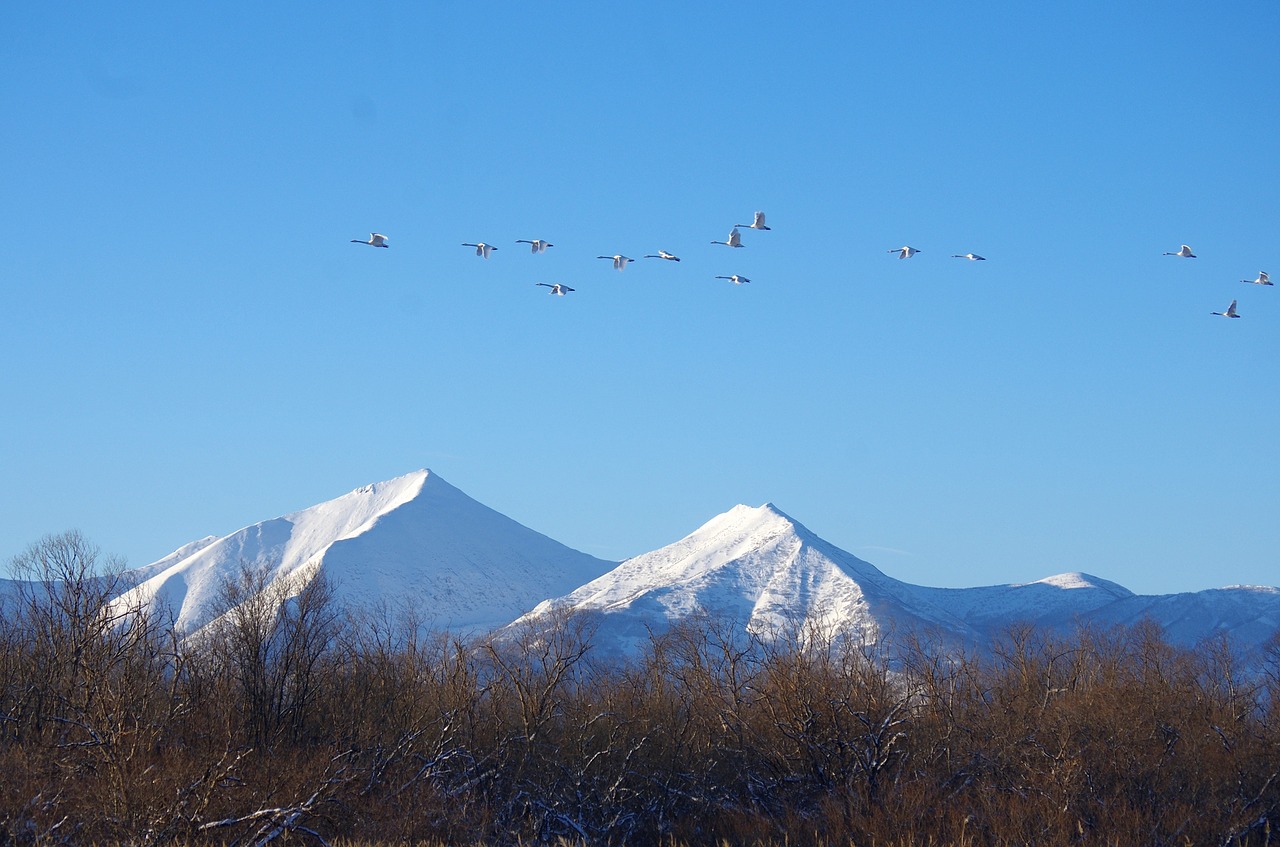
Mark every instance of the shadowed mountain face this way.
pixel 417 541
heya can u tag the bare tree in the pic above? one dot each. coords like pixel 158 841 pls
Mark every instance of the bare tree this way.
pixel 88 681
pixel 269 637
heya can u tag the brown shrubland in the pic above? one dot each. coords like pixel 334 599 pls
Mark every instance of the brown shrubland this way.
pixel 292 719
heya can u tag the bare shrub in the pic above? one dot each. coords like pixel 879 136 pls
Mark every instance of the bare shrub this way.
pixel 269 641
pixel 86 699
pixel 294 720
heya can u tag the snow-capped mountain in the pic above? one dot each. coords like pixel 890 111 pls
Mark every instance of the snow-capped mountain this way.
pixel 464 567
pixel 757 567
pixel 764 570
pixel 413 539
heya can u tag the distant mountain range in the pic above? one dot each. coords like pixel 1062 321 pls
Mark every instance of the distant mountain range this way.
pixel 417 540
pixel 763 568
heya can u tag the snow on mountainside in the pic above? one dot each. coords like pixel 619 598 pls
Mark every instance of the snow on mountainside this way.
pixel 412 539
pixel 418 540
pixel 1057 600
pixel 1249 614
pixel 759 567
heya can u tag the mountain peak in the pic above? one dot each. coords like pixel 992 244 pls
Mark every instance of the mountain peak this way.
pixel 411 539
pixel 748 520
pixel 418 542
pixel 1078 580
pixel 754 565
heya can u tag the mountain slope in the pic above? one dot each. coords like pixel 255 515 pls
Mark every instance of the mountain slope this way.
pixel 763 570
pixel 418 541
pixel 1248 614
pixel 1057 600
pixel 411 539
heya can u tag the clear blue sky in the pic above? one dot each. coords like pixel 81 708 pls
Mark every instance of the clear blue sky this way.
pixel 190 344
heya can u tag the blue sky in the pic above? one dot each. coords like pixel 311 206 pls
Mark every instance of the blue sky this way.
pixel 191 344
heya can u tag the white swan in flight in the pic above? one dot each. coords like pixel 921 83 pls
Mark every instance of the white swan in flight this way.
pixel 1264 278
pixel 537 245
pixel 735 239
pixel 482 250
pixel 735 279
pixel 663 254
pixel 905 252
pixel 1185 253
pixel 619 261
pixel 1229 313
pixel 556 289
pixel 756 223
pixel 972 257
pixel 376 239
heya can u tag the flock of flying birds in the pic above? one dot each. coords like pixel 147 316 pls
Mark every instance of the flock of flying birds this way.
pixel 1263 278
pixel 620 262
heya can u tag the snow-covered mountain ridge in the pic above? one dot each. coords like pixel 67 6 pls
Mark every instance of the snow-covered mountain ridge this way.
pixel 763 568
pixel 462 566
pixel 414 539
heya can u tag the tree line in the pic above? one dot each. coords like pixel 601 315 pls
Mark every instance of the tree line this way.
pixel 293 718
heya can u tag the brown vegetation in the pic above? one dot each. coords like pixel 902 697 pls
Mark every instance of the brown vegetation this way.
pixel 291 718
